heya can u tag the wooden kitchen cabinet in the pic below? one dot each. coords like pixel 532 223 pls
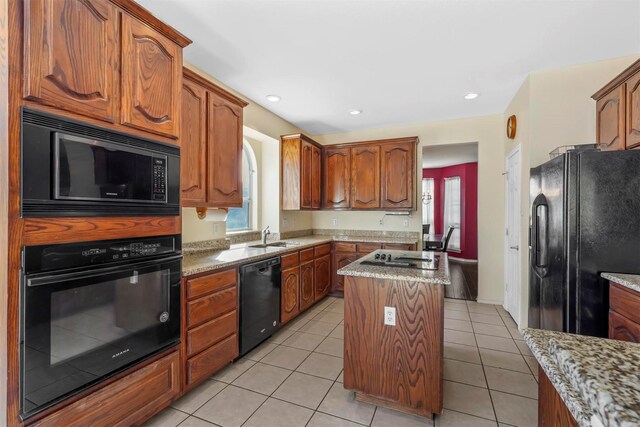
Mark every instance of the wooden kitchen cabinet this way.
pixel 552 411
pixel 341 259
pixel 632 128
pixel 397 174
pixel 337 178
pixel 290 294
pixel 322 276
pixel 301 173
pixel 211 155
pixel 610 121
pixel 307 290
pixel 624 313
pixel 365 177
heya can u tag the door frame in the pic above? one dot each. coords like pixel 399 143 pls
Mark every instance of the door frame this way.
pixel 512 302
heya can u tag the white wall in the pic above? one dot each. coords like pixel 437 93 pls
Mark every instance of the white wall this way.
pixel 487 132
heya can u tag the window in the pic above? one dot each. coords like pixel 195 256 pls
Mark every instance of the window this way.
pixel 452 210
pixel 240 219
pixel 428 201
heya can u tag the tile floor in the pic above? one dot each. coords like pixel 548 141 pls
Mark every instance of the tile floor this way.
pixel 295 378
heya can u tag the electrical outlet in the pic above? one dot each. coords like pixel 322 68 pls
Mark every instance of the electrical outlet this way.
pixel 285 222
pixel 390 316
pixel 334 221
pixel 405 223
pixel 216 228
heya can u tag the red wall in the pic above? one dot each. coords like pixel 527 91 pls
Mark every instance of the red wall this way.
pixel 468 173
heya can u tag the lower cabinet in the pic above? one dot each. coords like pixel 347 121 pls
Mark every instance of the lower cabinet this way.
pixel 289 294
pixel 307 291
pixel 624 313
pixel 341 259
pixel 552 412
pixel 127 401
pixel 322 276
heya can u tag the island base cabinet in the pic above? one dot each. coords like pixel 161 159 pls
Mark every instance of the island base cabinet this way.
pixel 552 412
pixel 399 367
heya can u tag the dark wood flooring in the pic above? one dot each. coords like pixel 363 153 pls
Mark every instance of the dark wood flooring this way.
pixel 464 281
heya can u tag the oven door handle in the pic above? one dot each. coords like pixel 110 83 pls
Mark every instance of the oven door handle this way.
pixel 50 277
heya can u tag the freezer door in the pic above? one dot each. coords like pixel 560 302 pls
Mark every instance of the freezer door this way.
pixel 608 237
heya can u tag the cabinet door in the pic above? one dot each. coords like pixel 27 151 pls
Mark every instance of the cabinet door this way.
pixel 610 120
pixel 224 137
pixel 316 177
pixel 322 276
pixel 151 79
pixel 365 177
pixel 633 111
pixel 289 304
pixel 621 328
pixel 193 139
pixel 397 175
pixel 307 292
pixel 337 178
pixel 306 175
pixel 71 56
pixel 340 260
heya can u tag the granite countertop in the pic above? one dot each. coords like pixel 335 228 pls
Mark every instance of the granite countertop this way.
pixel 439 276
pixel 201 261
pixel 631 281
pixel 597 378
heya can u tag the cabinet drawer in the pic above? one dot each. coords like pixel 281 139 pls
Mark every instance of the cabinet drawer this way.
pixel 211 332
pixel 625 302
pixel 210 306
pixel 400 246
pixel 289 260
pixel 210 283
pixel 127 401
pixel 621 328
pixel 321 250
pixel 306 255
pixel 212 360
pixel 367 248
pixel 345 247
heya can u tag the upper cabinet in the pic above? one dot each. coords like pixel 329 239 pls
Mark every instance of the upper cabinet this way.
pixel 301 173
pixel 365 177
pixel 71 56
pixel 397 174
pixel 618 111
pixel 106 60
pixel 211 155
pixel 337 178
pixel 151 79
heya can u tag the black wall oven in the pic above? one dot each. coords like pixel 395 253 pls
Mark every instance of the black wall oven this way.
pixel 74 169
pixel 90 310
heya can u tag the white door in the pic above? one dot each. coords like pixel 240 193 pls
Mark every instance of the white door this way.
pixel 512 236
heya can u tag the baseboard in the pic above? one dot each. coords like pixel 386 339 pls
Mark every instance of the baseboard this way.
pixel 489 301
pixel 464 260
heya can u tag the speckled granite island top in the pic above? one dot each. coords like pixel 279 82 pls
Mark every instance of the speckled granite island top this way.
pixel 598 379
pixel 631 281
pixel 439 276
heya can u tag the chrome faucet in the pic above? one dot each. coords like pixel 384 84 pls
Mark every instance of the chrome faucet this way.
pixel 265 233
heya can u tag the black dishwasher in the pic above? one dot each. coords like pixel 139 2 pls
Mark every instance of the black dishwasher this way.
pixel 259 302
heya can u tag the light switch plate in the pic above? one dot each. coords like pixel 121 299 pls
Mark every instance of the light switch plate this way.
pixel 390 316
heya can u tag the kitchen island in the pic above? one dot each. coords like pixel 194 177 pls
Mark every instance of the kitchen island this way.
pixel 393 329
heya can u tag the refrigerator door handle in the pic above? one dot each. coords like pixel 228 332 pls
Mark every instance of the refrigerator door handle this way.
pixel 539 237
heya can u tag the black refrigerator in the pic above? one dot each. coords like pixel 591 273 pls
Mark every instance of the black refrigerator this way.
pixel 585 220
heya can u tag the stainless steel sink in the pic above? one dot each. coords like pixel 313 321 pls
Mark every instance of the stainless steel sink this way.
pixel 275 245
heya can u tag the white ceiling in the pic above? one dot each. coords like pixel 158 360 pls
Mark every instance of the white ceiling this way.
pixel 439 156
pixel 400 61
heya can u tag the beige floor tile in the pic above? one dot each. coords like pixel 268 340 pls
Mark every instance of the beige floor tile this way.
pixel 515 333
pixel 338 332
pixel 483 309
pixel 286 357
pixel 486 318
pixel 512 382
pixel 326 303
pixel 318 328
pixel 524 348
pixel 280 336
pixel 295 324
pixel 495 330
pixel 322 365
pixel 276 413
pixel 323 420
pixel 302 389
pixel 450 418
pixel 262 378
pixel 463 372
pixel 461 352
pixel 196 422
pixel 387 417
pixel 332 347
pixel 533 365
pixel 261 351
pixel 329 317
pixel 336 309
pixel 197 397
pixel 231 407
pixel 508 320
pixel 468 399
pixel 458 337
pixel 515 410
pixel 308 315
pixel 340 378
pixel 303 341
pixel 233 371
pixel 455 301
pixel 342 403
pixel 457 315
pixel 455 307
pixel 168 418
pixel 504 360
pixel 458 325
pixel 496 343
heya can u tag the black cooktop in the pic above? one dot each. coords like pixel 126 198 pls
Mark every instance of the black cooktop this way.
pixel 424 262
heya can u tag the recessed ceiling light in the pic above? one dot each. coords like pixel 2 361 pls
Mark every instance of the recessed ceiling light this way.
pixel 471 95
pixel 273 98
pixel 355 112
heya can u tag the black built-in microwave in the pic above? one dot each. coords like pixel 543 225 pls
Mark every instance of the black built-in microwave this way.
pixel 71 168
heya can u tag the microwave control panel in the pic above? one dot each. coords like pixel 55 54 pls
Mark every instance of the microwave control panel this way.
pixel 159 179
